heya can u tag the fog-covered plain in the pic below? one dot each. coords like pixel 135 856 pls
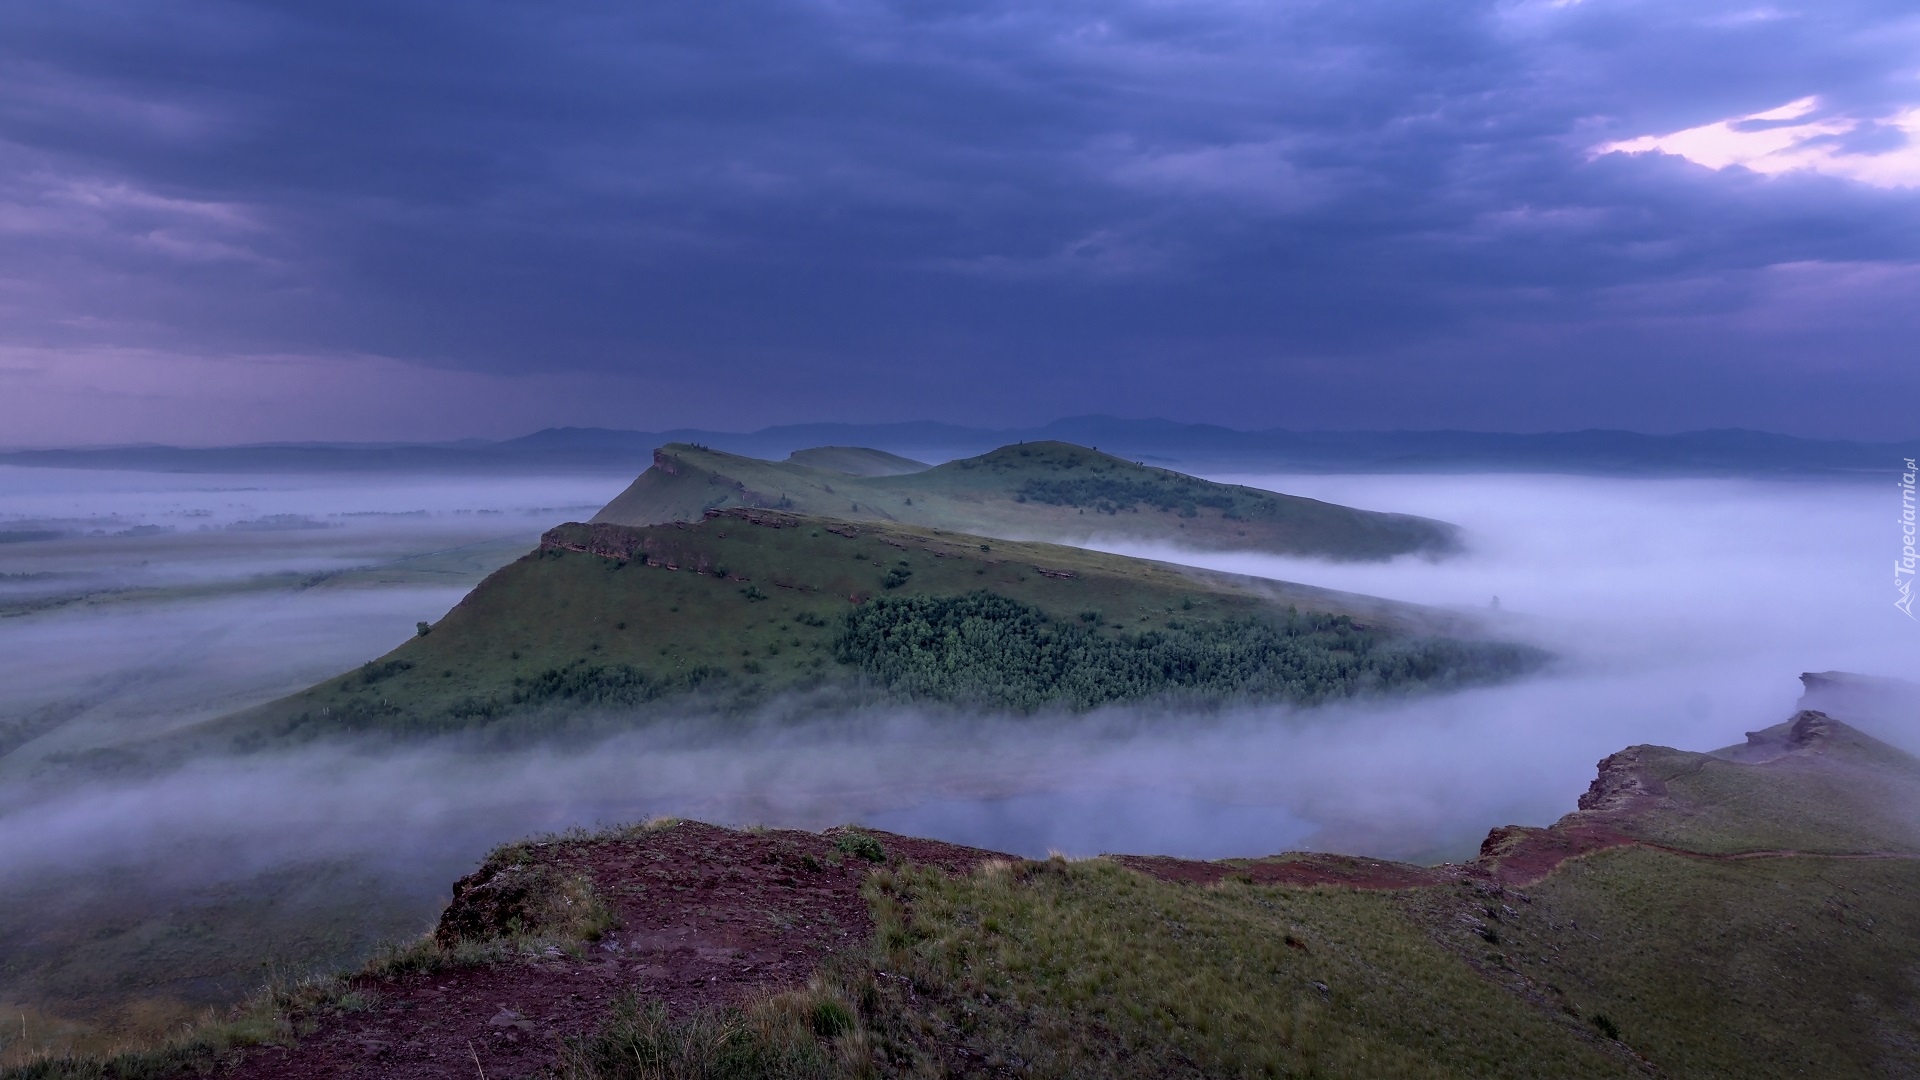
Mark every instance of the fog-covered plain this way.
pixel 110 529
pixel 1682 612
pixel 158 600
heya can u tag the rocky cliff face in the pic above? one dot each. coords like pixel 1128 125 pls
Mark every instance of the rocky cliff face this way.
pixel 1758 795
pixel 1809 730
pixel 1624 784
pixel 1863 699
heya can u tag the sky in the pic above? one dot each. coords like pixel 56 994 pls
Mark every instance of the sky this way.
pixel 407 219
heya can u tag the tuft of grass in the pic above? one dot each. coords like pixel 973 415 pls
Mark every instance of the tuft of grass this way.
pixel 279 1013
pixel 860 845
pixel 810 1034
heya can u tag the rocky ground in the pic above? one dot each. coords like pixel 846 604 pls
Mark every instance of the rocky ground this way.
pixel 706 916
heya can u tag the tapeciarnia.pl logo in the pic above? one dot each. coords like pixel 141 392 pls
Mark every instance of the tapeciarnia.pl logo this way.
pixel 1903 566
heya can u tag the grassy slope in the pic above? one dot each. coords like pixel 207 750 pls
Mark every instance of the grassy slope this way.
pixel 1050 490
pixel 1088 969
pixel 1732 807
pixel 1703 966
pixel 747 611
pixel 1753 968
pixel 1788 947
pixel 1808 785
pixel 856 461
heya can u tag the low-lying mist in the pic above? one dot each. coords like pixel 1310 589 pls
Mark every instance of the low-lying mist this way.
pixel 69 531
pixel 142 602
pixel 1681 611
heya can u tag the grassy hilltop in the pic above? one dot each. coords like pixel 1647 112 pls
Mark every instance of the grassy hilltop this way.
pixel 856 461
pixel 1689 920
pixel 1046 490
pixel 746 605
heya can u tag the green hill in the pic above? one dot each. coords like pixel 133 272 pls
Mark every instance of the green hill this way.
pixel 857 461
pixel 747 605
pixel 1048 490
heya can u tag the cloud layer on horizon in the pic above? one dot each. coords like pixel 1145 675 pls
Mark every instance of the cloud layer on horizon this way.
pixel 1377 214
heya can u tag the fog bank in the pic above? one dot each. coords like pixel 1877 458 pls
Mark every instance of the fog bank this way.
pixel 1682 612
pixel 131 603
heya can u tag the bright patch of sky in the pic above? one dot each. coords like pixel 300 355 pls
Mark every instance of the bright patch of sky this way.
pixel 1799 136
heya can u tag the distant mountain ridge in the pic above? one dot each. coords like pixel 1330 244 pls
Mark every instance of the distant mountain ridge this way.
pixel 1721 452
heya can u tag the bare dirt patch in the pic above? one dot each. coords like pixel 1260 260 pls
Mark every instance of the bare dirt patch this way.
pixel 1519 855
pixel 707 917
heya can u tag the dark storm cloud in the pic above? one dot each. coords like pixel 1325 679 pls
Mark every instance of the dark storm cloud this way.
pixel 848 206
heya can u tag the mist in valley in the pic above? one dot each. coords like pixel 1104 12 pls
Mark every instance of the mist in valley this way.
pixel 157 600
pixel 1681 612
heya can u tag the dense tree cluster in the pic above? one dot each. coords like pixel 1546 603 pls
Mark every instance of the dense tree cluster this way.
pixel 987 649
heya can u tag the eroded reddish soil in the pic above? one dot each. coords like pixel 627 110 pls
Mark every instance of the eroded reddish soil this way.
pixel 1299 868
pixel 1521 856
pixel 708 916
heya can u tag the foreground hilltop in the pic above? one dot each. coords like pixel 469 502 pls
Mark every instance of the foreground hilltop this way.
pixel 1046 490
pixel 1690 919
pixel 1812 785
pixel 747 607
